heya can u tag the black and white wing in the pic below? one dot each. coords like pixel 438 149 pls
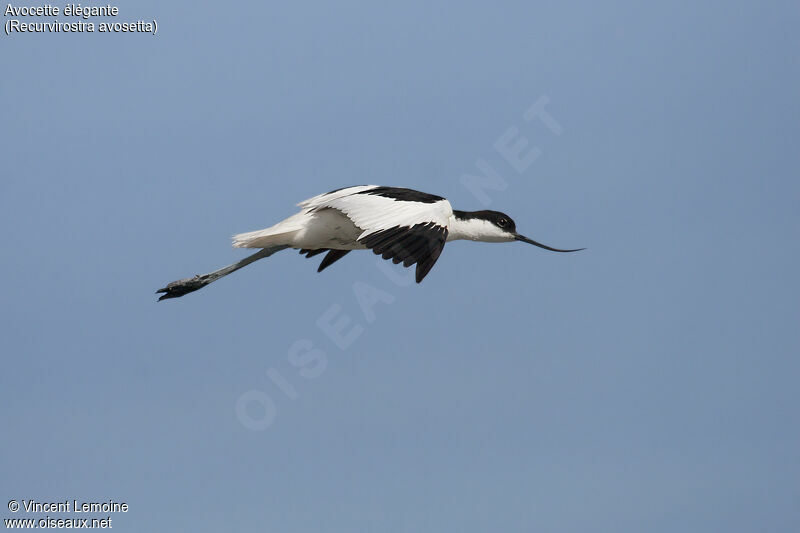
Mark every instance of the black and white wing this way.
pixel 403 225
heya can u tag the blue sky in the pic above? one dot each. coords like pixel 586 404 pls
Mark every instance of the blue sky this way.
pixel 646 384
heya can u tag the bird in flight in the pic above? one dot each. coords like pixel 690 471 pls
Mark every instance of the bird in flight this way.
pixel 403 225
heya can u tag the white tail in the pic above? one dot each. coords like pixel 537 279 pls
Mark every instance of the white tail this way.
pixel 261 239
pixel 281 233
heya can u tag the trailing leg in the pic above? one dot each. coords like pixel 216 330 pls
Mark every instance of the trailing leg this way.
pixel 178 288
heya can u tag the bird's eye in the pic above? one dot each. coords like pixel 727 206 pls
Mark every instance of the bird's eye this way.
pixel 502 222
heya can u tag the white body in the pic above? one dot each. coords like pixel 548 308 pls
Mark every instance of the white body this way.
pixel 339 219
pixel 404 225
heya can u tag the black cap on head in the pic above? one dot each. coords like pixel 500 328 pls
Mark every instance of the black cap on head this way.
pixel 501 220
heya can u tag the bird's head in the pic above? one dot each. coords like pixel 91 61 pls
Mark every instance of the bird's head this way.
pixel 491 226
pixel 494 226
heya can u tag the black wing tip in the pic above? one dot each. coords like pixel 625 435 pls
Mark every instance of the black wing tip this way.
pixel 330 258
pixel 421 244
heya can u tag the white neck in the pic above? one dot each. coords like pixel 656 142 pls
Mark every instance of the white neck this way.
pixel 475 229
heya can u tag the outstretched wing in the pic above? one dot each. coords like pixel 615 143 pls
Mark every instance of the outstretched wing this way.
pixel 404 225
pixel 421 244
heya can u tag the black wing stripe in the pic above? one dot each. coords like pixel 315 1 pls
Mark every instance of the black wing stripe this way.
pixel 404 195
pixel 421 244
